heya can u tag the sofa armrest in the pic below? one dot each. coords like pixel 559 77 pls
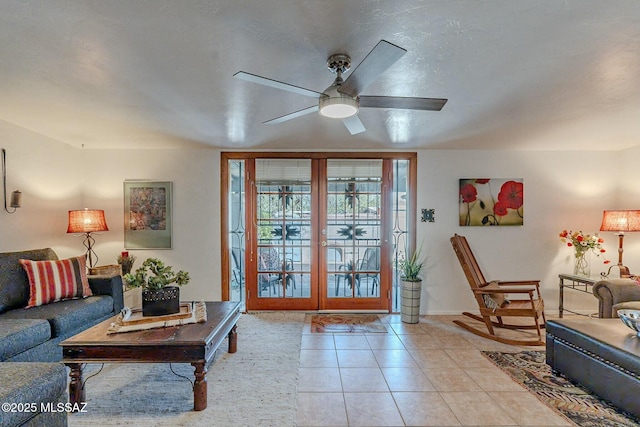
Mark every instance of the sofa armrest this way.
pixel 108 285
pixel 614 291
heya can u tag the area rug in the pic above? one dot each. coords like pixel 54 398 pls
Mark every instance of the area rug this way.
pixel 529 369
pixel 339 323
pixel 257 386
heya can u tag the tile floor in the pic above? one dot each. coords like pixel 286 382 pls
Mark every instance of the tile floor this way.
pixel 426 374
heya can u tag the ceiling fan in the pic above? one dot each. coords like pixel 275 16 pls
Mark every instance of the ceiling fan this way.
pixel 342 99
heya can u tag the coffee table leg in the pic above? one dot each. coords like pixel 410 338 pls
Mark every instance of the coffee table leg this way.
pixel 233 340
pixel 200 387
pixel 76 387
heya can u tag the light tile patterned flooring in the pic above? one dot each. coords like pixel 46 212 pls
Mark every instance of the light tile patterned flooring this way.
pixel 427 374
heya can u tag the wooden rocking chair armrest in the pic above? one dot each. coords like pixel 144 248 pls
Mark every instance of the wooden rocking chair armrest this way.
pixel 505 291
pixel 535 283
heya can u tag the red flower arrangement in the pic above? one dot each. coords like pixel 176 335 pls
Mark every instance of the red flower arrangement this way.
pixel 583 242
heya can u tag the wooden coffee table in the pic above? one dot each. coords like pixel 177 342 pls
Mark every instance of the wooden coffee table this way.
pixel 194 343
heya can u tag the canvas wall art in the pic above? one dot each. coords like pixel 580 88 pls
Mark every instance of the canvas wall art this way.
pixel 491 201
pixel 147 211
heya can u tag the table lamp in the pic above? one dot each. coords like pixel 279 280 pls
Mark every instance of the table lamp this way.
pixel 85 222
pixel 620 221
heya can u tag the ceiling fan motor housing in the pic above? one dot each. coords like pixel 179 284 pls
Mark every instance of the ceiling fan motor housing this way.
pixel 339 62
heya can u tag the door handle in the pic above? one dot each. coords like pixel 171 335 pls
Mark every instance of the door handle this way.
pixel 323 243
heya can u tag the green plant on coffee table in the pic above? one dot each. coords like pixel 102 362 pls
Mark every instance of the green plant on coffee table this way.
pixel 160 276
pixel 411 267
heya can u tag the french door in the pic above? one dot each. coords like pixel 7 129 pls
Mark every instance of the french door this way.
pixel 318 233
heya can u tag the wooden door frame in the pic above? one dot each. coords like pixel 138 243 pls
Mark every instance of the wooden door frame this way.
pixel 248 156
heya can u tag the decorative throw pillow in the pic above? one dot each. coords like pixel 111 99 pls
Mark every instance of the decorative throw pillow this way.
pixel 495 300
pixel 51 281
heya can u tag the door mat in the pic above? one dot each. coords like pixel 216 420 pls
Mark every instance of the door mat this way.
pixel 528 368
pixel 346 323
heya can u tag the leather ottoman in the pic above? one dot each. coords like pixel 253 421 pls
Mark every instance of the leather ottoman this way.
pixel 602 355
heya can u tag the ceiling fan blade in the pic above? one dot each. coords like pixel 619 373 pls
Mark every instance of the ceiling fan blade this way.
pixel 293 115
pixel 276 84
pixel 381 57
pixel 406 103
pixel 354 124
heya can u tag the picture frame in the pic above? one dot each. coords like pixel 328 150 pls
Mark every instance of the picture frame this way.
pixel 147 214
pixel 491 202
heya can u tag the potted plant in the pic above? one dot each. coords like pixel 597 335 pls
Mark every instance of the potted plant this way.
pixel 158 298
pixel 411 267
pixel 126 262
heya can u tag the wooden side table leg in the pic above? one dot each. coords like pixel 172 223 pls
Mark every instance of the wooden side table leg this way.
pixel 233 340
pixel 200 386
pixel 76 386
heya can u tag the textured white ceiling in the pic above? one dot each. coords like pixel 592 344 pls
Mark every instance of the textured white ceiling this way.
pixel 525 74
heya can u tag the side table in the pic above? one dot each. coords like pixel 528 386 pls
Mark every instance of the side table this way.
pixel 576 283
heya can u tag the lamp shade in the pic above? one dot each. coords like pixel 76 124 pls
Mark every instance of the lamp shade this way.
pixel 621 221
pixel 87 221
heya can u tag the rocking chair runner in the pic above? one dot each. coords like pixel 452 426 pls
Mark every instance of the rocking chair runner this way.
pixel 486 297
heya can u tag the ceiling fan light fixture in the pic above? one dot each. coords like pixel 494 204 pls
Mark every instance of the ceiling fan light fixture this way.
pixel 338 107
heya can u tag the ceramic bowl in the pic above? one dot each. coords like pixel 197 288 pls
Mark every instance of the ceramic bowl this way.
pixel 631 318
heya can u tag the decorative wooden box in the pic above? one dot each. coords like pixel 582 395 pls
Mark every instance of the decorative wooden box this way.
pixel 106 270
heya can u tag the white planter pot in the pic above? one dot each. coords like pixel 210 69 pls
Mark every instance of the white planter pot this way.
pixel 410 301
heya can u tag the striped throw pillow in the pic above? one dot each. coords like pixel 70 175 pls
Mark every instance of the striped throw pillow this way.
pixel 51 281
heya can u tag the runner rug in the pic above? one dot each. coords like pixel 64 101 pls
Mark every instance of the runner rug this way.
pixel 529 369
pixel 340 323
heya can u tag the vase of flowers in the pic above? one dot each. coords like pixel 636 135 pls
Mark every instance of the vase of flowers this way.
pixel 158 297
pixel 582 265
pixel 584 245
pixel 126 261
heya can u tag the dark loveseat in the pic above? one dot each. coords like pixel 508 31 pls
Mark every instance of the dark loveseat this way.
pixel 31 337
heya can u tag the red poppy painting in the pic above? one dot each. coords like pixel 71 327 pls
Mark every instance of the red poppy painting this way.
pixel 491 201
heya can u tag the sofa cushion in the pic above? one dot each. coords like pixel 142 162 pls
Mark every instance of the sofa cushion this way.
pixel 51 281
pixel 30 383
pixel 14 285
pixel 69 315
pixel 18 335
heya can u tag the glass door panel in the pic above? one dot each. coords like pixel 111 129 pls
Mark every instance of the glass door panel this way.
pixel 283 205
pixel 352 235
pixel 236 238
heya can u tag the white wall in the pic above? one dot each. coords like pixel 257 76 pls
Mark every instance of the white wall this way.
pixel 562 190
pixel 629 198
pixel 48 175
pixel 195 177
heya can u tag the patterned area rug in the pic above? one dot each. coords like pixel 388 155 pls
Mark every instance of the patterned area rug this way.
pixel 338 323
pixel 529 369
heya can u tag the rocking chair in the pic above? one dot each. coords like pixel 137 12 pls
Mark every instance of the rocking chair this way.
pixel 492 303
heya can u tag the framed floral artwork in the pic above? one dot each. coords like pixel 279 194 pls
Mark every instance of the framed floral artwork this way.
pixel 491 201
pixel 147 214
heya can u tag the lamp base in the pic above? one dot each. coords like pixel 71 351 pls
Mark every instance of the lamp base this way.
pixel 624 271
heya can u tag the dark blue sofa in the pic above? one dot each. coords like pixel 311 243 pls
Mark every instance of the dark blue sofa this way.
pixel 31 337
